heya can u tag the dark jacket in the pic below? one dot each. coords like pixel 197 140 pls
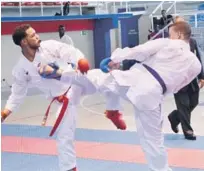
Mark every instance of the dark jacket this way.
pixel 194 84
pixel 194 49
pixel 127 64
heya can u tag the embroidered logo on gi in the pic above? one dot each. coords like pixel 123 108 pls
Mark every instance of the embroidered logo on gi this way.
pixel 28 77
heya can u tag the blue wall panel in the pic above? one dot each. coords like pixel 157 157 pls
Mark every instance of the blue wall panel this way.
pixel 102 44
pixel 129 31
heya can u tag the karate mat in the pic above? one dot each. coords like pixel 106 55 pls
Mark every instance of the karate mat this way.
pixel 26 146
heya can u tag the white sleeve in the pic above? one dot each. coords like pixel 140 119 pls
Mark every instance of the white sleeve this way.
pixel 140 52
pixel 18 91
pixel 68 40
pixel 68 53
pixel 68 75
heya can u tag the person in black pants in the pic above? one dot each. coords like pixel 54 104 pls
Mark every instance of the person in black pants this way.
pixel 187 99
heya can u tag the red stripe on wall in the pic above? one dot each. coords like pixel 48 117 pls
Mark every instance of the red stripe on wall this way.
pixel 49 26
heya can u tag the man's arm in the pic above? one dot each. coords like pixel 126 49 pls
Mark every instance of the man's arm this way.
pixel 139 53
pixel 201 75
pixel 18 93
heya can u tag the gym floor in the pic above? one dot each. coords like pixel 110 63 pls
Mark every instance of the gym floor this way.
pixel 26 146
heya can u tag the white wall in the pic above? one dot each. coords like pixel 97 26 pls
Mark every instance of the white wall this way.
pixel 144 24
pixel 10 53
pixel 114 39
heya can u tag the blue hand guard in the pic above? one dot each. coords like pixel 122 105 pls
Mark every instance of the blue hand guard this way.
pixel 104 65
pixel 53 74
pixel 54 66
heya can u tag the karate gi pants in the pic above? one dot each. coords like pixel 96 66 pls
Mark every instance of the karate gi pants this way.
pixel 149 119
pixel 66 130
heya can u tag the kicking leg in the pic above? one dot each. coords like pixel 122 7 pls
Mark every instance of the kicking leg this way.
pixel 90 83
pixel 113 104
pixel 68 76
pixel 112 110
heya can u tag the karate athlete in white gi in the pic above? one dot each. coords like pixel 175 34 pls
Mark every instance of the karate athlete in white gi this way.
pixel 26 75
pixel 64 38
pixel 166 66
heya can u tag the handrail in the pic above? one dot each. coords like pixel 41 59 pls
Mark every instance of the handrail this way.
pixel 158 6
pixel 183 14
pixel 172 5
pixel 161 31
pixel 155 10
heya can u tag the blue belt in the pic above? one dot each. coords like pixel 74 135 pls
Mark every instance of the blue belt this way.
pixel 157 77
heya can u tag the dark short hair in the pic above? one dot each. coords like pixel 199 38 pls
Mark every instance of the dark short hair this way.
pixel 20 33
pixel 61 26
pixel 182 27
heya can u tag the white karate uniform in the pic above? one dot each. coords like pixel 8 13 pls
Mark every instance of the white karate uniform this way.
pixel 91 83
pixel 26 75
pixel 67 39
pixel 177 66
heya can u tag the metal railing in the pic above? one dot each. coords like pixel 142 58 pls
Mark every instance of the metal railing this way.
pixel 162 31
pixel 193 25
pixel 185 14
pixel 101 7
pixel 160 7
pixel 115 5
pixel 42 7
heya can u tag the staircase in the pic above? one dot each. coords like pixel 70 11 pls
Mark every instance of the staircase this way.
pixel 193 13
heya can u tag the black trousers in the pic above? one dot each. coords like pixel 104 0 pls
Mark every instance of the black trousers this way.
pixel 186 100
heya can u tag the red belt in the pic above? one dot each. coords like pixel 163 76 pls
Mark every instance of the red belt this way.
pixel 62 99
